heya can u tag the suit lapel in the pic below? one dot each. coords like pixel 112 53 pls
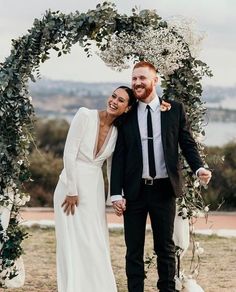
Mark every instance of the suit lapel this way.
pixel 135 127
pixel 164 122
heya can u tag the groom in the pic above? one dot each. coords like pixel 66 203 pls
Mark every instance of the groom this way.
pixel 145 169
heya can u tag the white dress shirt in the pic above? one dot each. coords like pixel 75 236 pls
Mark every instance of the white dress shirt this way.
pixel 160 165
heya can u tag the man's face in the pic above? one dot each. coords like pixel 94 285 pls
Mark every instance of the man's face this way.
pixel 143 82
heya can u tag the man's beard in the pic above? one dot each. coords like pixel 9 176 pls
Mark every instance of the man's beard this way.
pixel 147 91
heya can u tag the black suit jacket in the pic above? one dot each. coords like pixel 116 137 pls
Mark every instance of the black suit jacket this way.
pixel 127 162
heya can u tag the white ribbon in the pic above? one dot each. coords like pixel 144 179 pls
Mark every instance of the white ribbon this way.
pixel 190 285
pixel 181 235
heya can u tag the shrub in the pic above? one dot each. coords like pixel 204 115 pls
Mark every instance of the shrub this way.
pixel 222 188
pixel 45 169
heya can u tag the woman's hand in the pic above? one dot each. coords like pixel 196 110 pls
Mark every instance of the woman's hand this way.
pixel 70 203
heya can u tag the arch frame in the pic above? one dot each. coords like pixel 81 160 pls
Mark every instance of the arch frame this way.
pixel 58 31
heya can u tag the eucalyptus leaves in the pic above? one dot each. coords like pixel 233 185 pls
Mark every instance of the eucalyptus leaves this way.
pixel 167 47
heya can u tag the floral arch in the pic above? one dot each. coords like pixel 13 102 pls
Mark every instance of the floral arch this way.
pixel 168 45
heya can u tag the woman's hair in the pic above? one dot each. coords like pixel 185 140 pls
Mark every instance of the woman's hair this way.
pixel 132 100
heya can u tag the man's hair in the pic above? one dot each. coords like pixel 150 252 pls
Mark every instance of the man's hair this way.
pixel 145 64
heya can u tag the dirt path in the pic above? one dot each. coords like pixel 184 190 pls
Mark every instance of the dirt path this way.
pixel 216 220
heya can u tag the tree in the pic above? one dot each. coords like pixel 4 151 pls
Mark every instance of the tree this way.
pixel 222 190
pixel 50 135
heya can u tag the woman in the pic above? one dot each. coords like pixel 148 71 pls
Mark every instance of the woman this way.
pixel 83 258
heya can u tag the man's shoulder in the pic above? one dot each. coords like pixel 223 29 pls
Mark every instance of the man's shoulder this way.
pixel 176 106
pixel 173 102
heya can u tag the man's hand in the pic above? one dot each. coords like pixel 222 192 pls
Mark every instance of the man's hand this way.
pixel 119 206
pixel 204 176
pixel 69 204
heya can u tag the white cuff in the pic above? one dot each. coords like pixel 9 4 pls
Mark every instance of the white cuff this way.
pixel 200 168
pixel 116 198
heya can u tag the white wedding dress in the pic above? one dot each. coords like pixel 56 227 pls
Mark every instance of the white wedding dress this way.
pixel 83 255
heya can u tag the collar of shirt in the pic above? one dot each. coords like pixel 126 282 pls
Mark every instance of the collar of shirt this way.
pixel 154 104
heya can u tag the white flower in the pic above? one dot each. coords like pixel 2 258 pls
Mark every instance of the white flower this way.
pixel 27 198
pixel 21 199
pixel 20 162
pixel 197 244
pixel 199 251
pixel 200 214
pixel 186 28
pixel 191 228
pixel 194 213
pixel 184 212
pixel 178 284
pixel 206 209
pixel 165 49
pixel 196 183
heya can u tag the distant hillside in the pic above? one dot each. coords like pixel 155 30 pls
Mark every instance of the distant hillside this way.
pixel 58 97
pixel 54 98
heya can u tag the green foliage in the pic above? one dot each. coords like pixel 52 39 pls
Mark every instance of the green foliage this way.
pixel 45 169
pixel 222 190
pixel 16 234
pixel 11 248
pixel 50 135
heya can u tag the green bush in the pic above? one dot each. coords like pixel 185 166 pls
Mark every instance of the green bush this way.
pixel 222 188
pixel 50 135
pixel 45 169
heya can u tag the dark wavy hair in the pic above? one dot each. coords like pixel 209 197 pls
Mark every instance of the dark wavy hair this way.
pixel 132 100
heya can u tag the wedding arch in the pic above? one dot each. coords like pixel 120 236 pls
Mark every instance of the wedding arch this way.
pixel 118 39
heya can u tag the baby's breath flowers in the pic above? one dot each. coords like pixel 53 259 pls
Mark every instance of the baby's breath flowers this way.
pixel 162 47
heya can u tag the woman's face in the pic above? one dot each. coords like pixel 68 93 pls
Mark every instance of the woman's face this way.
pixel 117 103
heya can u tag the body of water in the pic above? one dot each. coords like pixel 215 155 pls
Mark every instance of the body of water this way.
pixel 219 133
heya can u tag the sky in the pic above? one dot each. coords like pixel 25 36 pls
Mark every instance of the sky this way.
pixel 216 18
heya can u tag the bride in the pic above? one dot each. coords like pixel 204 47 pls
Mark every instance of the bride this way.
pixel 83 258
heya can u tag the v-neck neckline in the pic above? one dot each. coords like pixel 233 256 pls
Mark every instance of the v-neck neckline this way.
pixel 96 154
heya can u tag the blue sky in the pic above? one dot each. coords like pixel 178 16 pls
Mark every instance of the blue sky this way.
pixel 215 17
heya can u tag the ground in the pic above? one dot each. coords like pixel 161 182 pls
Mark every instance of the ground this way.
pixel 217 271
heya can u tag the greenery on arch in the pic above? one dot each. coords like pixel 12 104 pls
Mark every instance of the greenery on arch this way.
pixel 58 31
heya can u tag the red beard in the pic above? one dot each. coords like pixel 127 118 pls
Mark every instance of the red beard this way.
pixel 147 91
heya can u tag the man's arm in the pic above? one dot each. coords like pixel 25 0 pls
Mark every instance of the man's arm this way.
pixel 204 175
pixel 117 175
pixel 190 151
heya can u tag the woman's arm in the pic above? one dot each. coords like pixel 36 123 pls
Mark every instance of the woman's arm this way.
pixel 73 140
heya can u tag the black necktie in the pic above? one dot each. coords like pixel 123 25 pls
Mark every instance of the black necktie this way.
pixel 151 160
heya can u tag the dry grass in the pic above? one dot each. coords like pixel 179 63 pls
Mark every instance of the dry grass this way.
pixel 217 274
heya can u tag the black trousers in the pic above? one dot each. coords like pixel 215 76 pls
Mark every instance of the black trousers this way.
pixel 159 202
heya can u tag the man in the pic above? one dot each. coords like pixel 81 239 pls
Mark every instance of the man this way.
pixel 145 168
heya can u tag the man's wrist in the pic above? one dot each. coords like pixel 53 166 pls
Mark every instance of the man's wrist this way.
pixel 197 171
pixel 115 198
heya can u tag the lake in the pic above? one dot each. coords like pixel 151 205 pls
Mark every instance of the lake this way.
pixel 219 133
